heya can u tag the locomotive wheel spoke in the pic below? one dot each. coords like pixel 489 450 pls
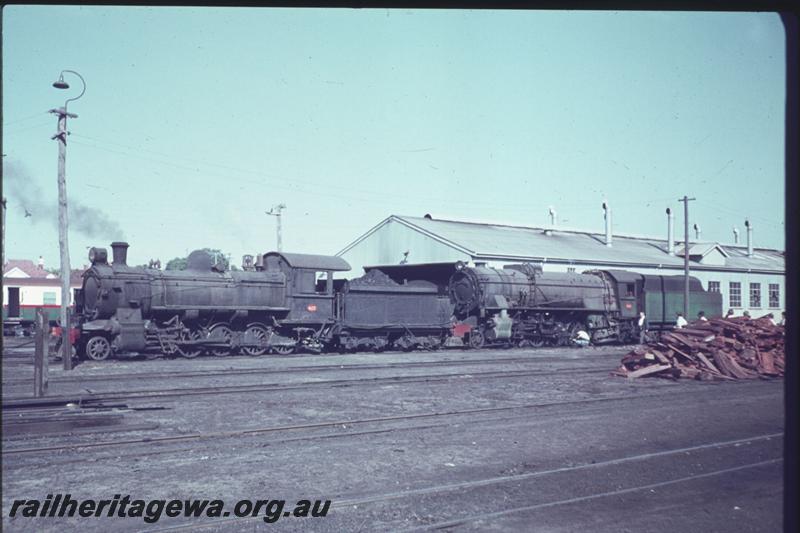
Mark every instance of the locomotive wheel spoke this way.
pixel 190 352
pixel 283 350
pixel 476 339
pixel 259 333
pixel 221 333
pixel 98 348
pixel 537 341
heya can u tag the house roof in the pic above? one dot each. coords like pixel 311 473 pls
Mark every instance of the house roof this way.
pixel 26 272
pixel 24 268
pixel 504 242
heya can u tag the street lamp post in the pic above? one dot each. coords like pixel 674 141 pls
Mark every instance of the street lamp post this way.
pixel 277 215
pixel 63 219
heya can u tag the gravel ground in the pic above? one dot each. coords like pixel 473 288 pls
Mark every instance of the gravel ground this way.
pixel 503 440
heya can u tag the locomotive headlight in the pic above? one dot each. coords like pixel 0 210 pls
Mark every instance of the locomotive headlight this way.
pixel 98 255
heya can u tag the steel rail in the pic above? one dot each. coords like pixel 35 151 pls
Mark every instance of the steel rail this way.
pixel 292 369
pixel 316 425
pixel 12 403
pixel 516 478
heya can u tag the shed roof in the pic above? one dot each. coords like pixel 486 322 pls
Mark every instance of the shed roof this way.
pixel 313 261
pixel 503 242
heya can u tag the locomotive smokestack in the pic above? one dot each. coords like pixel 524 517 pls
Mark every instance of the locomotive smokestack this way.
pixel 749 226
pixel 119 251
pixel 670 232
pixel 735 235
pixel 607 209
pixel 697 231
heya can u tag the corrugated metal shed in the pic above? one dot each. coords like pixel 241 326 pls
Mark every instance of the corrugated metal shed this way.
pixel 511 243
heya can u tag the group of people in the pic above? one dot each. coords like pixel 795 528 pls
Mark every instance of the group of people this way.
pixel 583 339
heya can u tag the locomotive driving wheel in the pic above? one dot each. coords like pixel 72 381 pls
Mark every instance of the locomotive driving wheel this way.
pixel 476 339
pixel 283 350
pixel 256 333
pixel 537 341
pixel 221 333
pixel 190 352
pixel 98 348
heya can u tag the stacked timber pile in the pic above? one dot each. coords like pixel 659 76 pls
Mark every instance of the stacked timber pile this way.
pixel 719 349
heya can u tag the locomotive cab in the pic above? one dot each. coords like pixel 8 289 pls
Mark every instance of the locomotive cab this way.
pixel 629 287
pixel 309 280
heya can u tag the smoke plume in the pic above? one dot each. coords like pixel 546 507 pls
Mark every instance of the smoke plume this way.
pixel 29 198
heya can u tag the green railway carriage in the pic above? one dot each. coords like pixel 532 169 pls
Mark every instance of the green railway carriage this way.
pixel 664 299
pixel 21 317
pixel 661 297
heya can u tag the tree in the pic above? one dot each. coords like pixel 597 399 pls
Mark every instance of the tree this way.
pixel 179 263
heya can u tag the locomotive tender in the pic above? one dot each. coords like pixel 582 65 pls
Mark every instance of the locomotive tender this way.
pixel 285 302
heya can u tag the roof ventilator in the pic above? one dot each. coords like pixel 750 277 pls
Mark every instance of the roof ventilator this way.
pixel 607 209
pixel 670 232
pixel 749 226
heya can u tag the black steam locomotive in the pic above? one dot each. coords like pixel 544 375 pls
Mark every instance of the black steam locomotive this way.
pixel 521 305
pixel 285 302
pixel 281 303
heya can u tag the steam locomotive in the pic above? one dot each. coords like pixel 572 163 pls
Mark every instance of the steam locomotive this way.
pixel 284 302
pixel 521 305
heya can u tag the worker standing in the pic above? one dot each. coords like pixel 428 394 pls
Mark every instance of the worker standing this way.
pixel 701 316
pixel 642 327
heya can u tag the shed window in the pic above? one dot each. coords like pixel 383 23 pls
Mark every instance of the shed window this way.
pixel 774 295
pixel 735 294
pixel 713 286
pixel 755 295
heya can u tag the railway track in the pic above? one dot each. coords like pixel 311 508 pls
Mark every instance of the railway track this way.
pixel 16 403
pixel 287 370
pixel 444 416
pixel 678 455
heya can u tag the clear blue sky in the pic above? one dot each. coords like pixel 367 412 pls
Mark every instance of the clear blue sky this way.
pixel 196 120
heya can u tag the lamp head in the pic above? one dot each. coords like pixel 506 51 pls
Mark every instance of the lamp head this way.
pixel 61 84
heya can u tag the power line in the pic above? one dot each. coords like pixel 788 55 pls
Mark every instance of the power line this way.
pixel 26 128
pixel 730 211
pixel 30 117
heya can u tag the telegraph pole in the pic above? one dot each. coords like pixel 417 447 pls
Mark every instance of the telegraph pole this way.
pixel 3 252
pixel 685 201
pixel 63 219
pixel 276 212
